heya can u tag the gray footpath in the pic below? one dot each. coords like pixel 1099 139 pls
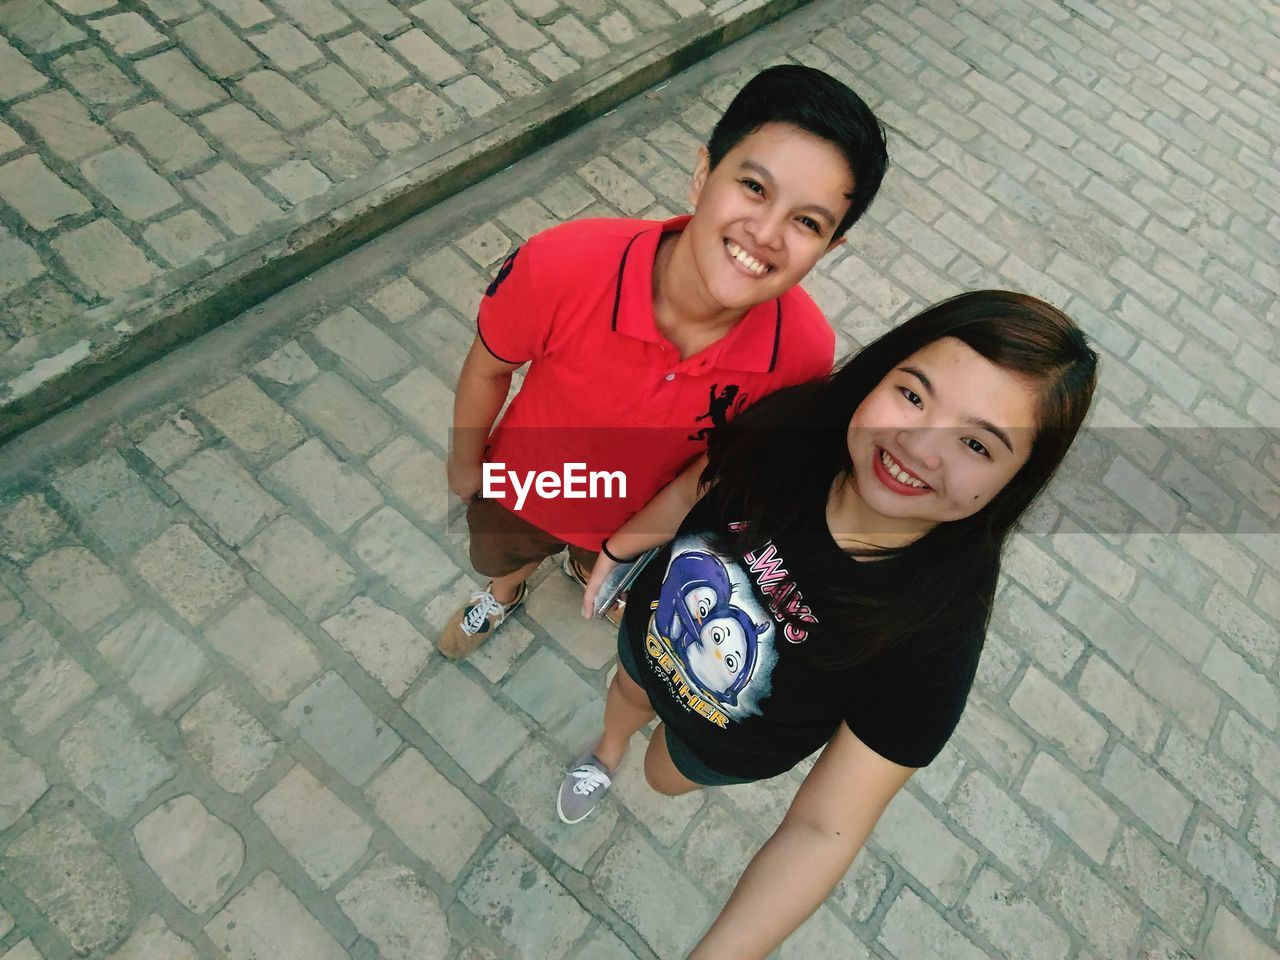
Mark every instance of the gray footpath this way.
pixel 225 731
pixel 165 164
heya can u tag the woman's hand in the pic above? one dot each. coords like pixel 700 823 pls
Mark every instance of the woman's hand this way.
pixel 603 567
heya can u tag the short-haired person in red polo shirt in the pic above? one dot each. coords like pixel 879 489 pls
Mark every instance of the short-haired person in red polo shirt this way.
pixel 643 336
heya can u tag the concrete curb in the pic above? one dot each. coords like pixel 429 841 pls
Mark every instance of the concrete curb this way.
pixel 188 302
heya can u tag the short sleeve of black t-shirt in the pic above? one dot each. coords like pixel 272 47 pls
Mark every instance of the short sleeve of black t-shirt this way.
pixel 719 642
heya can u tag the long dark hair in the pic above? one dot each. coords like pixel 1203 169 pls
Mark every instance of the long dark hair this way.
pixel 775 464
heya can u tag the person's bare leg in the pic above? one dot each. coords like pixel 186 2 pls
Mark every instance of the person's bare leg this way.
pixel 660 770
pixel 626 710
pixel 504 588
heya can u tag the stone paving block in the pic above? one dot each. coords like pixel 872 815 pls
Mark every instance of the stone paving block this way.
pixel 438 334
pixel 187 573
pixel 1159 882
pixel 445 830
pixel 1000 825
pixel 229 741
pixel 92 75
pixel 361 344
pixel 822 935
pixel 1242 628
pixel 111 760
pixel 196 855
pixel 1093 908
pixel 473 95
pixel 269 650
pixel 1218 785
pixel 10 606
pixel 22 783
pixel 717 851
pixel 1185 695
pixel 1103 688
pixel 27 526
pixel 1253 750
pixel 38 682
pixel 526 785
pixel 402 554
pixel 457 713
pixel 925 847
pixel 343 93
pixel 316 17
pixel 179 81
pixel 994 738
pixel 912 928
pixel 1160 805
pixel 399 300
pixel 266 919
pixel 555 605
pixel 24 951
pixel 37 193
pixel 151 939
pixel 288 106
pixel 1264 829
pixel 123 177
pixel 525 905
pixel 1011 921
pixel 332 490
pixel 382 641
pixel 70 878
pixel 497 654
pixel 368 61
pixel 250 419
pixel 298 180
pixel 113 502
pixel 232 198
pixel 182 238
pixel 38 26
pixel 17 76
pixel 19 263
pixel 390 907
pixel 286 47
pixel 172 144
pixel 224 495
pixel 158 662
pixel 320 831
pixel 290 365
pixel 1071 805
pixel 1170 621
pixel 128 33
pixel 547 689
pixel 429 112
pixel 1055 715
pixel 450 277
pixel 666 818
pixel 1019 619
pixel 341 411
pixel 426 401
pixel 63 125
pixel 243 13
pixel 104 259
pixel 1220 858
pixel 416 475
pixel 1229 937
pixel 252 139
pixel 340 727
pixel 79 586
pixel 300 566
pixel 429 58
pixel 215 45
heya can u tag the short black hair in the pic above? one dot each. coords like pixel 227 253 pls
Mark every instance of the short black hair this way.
pixel 819 104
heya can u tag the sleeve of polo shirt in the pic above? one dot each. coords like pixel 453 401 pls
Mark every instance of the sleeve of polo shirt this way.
pixel 514 321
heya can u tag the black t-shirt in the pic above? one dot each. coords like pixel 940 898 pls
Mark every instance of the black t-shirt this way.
pixel 718 640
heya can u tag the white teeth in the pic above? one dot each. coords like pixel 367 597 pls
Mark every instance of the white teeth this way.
pixel 744 258
pixel 896 471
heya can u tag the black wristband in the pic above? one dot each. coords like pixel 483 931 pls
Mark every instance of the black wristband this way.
pixel 604 548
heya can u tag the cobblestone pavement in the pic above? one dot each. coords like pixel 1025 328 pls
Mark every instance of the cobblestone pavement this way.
pixel 226 732
pixel 154 153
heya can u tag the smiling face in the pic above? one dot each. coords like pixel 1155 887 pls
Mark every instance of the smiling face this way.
pixel 720 653
pixel 765 215
pixel 937 439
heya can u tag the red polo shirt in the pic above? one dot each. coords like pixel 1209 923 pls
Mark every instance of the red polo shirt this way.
pixel 605 389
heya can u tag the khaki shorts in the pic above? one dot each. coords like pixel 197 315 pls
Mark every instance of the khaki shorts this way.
pixel 502 542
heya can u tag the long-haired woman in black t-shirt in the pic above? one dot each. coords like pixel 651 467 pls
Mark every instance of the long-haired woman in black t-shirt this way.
pixel 828 576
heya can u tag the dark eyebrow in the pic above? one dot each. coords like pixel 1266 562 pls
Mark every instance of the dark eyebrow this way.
pixel 977 421
pixel 765 175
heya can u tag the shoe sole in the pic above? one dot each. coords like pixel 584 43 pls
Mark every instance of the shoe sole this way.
pixel 566 820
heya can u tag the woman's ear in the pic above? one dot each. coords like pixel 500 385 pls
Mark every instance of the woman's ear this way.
pixel 700 171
